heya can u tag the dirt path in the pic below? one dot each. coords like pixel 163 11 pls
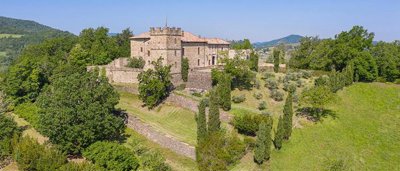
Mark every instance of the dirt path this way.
pixel 164 140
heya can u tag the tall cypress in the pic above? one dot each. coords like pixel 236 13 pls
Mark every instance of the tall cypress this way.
pixel 260 149
pixel 279 134
pixel 268 139
pixel 288 116
pixel 201 121
pixel 224 91
pixel 213 114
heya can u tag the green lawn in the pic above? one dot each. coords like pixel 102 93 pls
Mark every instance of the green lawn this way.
pixel 364 136
pixel 166 118
pixel 176 161
pixel 10 35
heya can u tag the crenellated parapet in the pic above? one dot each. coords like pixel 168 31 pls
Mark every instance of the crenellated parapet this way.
pixel 172 31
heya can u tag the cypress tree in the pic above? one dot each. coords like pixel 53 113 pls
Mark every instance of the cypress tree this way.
pixel 213 114
pixel 201 121
pixel 288 116
pixel 279 134
pixel 259 150
pixel 224 91
pixel 185 69
pixel 268 140
pixel 276 55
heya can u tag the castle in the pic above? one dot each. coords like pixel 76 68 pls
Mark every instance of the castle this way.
pixel 172 44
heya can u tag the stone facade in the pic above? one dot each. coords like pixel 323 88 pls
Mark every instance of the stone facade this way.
pixel 172 44
pixel 116 71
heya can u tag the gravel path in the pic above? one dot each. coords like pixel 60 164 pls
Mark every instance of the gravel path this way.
pixel 164 140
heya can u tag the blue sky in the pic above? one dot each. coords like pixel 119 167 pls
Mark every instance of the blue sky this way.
pixel 258 20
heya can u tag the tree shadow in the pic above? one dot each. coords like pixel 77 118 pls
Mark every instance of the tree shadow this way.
pixel 315 114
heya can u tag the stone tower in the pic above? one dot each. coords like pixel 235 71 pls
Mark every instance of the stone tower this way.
pixel 166 43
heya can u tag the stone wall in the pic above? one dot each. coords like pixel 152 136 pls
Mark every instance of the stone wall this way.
pixel 199 80
pixel 116 71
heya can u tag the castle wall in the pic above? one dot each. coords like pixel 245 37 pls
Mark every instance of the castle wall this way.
pixel 196 53
pixel 199 80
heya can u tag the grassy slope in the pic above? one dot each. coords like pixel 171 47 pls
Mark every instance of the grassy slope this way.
pixel 363 137
pixel 169 119
pixel 176 161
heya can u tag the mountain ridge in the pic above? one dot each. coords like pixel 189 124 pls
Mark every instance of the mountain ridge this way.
pixel 290 39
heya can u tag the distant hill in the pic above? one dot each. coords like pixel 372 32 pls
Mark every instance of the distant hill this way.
pixel 15 34
pixel 291 39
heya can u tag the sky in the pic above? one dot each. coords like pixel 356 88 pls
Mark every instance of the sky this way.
pixel 257 20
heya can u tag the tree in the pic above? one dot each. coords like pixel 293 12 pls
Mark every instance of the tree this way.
pixel 111 156
pixel 136 62
pixel 279 134
pixel 254 61
pixel 387 56
pixel 213 114
pixel 155 84
pixel 241 44
pixel 261 142
pixel 224 91
pixel 8 129
pixel 201 121
pixel 209 154
pixel 317 97
pixel 288 116
pixel 276 55
pixel 78 109
pixel 79 57
pixel 123 42
pixel 185 69
pixel 240 72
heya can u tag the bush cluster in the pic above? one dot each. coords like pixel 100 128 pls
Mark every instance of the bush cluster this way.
pixel 277 95
pixel 271 83
pixel 248 123
pixel 136 62
pixel 262 105
pixel 239 99
pixel 257 95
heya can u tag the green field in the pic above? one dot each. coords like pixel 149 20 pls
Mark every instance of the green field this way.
pixel 176 161
pixel 364 136
pixel 166 118
pixel 10 35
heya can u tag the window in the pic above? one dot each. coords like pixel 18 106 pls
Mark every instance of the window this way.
pixel 148 53
pixel 183 51
pixel 198 50
pixel 148 62
pixel 141 49
pixel 198 62
pixel 175 52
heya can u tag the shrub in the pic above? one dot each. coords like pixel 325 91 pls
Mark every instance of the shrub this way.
pixel 8 129
pixel 291 77
pixel 30 155
pixel 262 105
pixel 111 156
pixel 149 159
pixel 248 123
pixel 268 75
pixel 85 166
pixel 289 86
pixel 257 95
pixel 239 99
pixel 29 111
pixel 397 81
pixel 306 74
pixel 271 83
pixel 299 83
pixel 257 84
pixel 136 62
pixel 277 95
pixel 322 81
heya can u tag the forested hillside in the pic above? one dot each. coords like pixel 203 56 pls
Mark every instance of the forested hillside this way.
pixel 15 34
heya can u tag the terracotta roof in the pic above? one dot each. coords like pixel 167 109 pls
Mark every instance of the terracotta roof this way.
pixel 216 41
pixel 145 35
pixel 187 37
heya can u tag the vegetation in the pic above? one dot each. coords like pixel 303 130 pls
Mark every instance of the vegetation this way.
pixel 240 72
pixel 223 90
pixel 136 62
pixel 111 156
pixel 354 46
pixel 214 124
pixel 248 123
pixel 30 155
pixel 288 116
pixel 66 122
pixel 253 61
pixel 276 54
pixel 317 97
pixel 262 150
pixel 185 69
pixel 8 130
pixel 155 84
pixel 238 99
pixel 201 121
pixel 280 133
pixel 359 137
pixel 241 44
